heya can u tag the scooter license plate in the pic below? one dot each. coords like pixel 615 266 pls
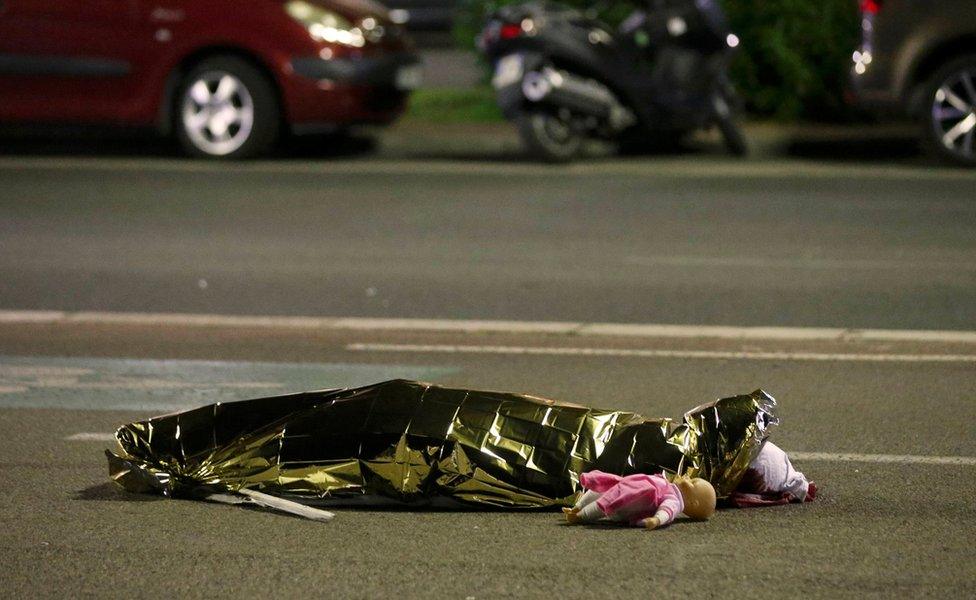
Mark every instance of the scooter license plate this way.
pixel 409 77
pixel 507 71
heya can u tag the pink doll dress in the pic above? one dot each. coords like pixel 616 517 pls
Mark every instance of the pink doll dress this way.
pixel 634 498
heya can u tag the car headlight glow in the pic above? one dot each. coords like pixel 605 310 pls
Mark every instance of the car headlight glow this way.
pixel 325 25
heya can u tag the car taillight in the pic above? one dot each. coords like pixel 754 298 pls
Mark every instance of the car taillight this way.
pixel 871 7
pixel 510 31
pixel 863 56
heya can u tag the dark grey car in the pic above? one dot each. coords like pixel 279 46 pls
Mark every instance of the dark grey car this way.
pixel 919 56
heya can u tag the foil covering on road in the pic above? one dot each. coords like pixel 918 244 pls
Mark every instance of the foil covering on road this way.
pixel 415 442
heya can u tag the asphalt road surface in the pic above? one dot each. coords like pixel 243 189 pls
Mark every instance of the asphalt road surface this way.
pixel 822 273
pixel 697 239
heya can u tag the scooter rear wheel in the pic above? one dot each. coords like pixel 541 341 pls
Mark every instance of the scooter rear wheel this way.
pixel 548 137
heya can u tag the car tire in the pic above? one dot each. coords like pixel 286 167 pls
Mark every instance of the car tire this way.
pixel 547 137
pixel 226 108
pixel 950 111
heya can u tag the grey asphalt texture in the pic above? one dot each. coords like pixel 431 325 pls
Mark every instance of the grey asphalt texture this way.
pixel 695 239
pixel 699 238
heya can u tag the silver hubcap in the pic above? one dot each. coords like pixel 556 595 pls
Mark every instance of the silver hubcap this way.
pixel 218 113
pixel 954 113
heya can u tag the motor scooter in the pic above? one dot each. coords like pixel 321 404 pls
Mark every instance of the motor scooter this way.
pixel 562 76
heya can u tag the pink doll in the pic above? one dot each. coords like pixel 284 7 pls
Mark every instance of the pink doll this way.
pixel 640 500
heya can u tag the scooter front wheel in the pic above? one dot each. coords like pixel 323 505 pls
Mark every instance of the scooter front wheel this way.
pixel 735 141
pixel 548 137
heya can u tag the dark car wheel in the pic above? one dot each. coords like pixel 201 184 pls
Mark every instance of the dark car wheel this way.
pixel 950 120
pixel 226 108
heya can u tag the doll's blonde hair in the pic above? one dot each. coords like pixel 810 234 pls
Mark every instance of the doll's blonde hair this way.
pixel 701 505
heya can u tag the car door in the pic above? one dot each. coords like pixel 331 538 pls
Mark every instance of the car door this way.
pixel 68 60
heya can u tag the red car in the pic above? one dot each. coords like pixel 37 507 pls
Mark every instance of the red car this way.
pixel 227 77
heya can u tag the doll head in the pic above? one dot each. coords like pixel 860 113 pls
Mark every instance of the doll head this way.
pixel 699 497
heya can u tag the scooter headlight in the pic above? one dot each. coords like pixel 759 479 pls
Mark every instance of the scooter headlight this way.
pixel 325 25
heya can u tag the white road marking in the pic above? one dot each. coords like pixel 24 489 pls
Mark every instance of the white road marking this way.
pixel 812 264
pixel 901 459
pixel 30 316
pixel 490 326
pixel 650 353
pixel 91 437
pixel 669 169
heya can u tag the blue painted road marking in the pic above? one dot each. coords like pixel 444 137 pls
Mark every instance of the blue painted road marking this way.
pixel 164 385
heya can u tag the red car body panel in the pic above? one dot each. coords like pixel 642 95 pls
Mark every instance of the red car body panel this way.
pixel 118 61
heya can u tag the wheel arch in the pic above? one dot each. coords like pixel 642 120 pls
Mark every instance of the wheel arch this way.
pixel 164 120
pixel 930 62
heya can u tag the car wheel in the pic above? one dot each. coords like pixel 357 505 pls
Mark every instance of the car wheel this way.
pixel 951 116
pixel 227 108
pixel 548 137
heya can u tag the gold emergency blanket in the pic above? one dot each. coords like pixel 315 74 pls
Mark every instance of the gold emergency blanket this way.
pixel 414 442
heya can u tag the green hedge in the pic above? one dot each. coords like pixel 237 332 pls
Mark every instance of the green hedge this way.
pixel 794 59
